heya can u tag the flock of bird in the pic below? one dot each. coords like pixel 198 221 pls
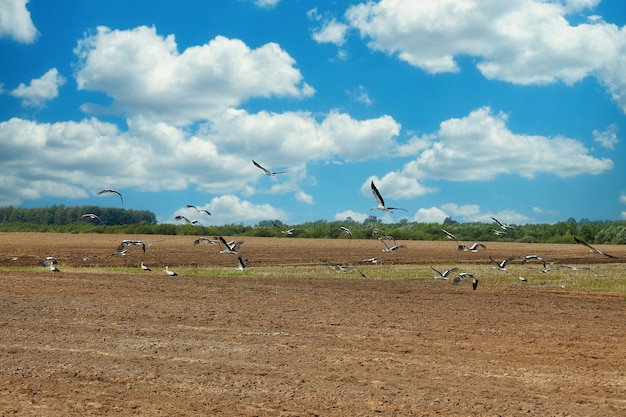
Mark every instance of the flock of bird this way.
pixel 231 247
pixel 503 264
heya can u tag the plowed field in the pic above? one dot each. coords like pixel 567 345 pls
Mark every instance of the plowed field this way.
pixel 292 336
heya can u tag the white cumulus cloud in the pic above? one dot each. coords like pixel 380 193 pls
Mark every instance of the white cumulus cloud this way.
pixel 146 75
pixel 15 21
pixel 40 90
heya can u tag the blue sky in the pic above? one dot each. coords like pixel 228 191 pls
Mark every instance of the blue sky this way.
pixel 468 109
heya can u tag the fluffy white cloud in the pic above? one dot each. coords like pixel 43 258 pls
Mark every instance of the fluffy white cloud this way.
pixel 331 32
pixel 146 75
pixel 607 138
pixel 40 90
pixel 467 213
pixel 155 156
pixel 429 215
pixel 395 185
pixel 228 209
pixel 519 41
pixel 480 147
pixel 357 217
pixel 266 4
pixel 15 21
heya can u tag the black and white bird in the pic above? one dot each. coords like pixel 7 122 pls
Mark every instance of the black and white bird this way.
pixel 501 265
pixel 381 203
pixel 266 171
pixel 129 242
pixel 502 225
pixel 199 210
pixel 229 247
pixel 449 235
pixel 592 249
pixel 53 268
pixel 387 248
pixel 187 221
pixel 345 229
pixel 241 263
pixel 373 260
pixel 473 248
pixel 49 260
pixel 529 258
pixel 464 275
pixel 445 274
pixel 344 268
pixel 91 216
pixel 498 232
pixel 109 190
pixel 284 231
pixel 144 267
pixel 169 272
pixel 522 279
pixel 205 239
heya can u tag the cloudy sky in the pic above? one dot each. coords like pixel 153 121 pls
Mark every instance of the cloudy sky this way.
pixel 461 108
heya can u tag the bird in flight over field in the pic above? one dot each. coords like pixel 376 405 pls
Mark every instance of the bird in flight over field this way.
pixel 502 225
pixel 592 249
pixel 345 229
pixel 108 190
pixel 473 248
pixel 198 210
pixel 464 275
pixel 285 231
pixel 91 216
pixel 241 263
pixel 266 171
pixel 444 274
pixel 381 202
pixel 187 221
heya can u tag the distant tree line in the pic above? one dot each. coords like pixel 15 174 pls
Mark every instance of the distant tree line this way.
pixel 61 215
pixel 61 219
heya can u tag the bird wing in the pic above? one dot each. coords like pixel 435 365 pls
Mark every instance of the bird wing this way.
pixel 499 222
pixel 260 167
pixel 377 195
pixel 108 190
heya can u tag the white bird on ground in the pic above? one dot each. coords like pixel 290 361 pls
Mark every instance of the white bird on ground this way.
pixel 49 260
pixel 502 225
pixel 53 268
pixel 91 216
pixel 445 274
pixel 473 248
pixel 144 267
pixel 198 209
pixel 241 263
pixel 109 190
pixel 522 279
pixel 169 272
pixel 381 203
pixel 592 249
pixel 464 275
pixel 266 171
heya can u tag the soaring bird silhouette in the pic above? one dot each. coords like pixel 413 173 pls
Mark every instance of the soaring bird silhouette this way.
pixel 109 190
pixel 381 203
pixel 198 209
pixel 502 225
pixel 592 249
pixel 266 171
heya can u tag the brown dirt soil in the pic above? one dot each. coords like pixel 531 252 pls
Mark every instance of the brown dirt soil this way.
pixel 289 338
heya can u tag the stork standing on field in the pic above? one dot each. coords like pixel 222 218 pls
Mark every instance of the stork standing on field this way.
pixel 169 272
